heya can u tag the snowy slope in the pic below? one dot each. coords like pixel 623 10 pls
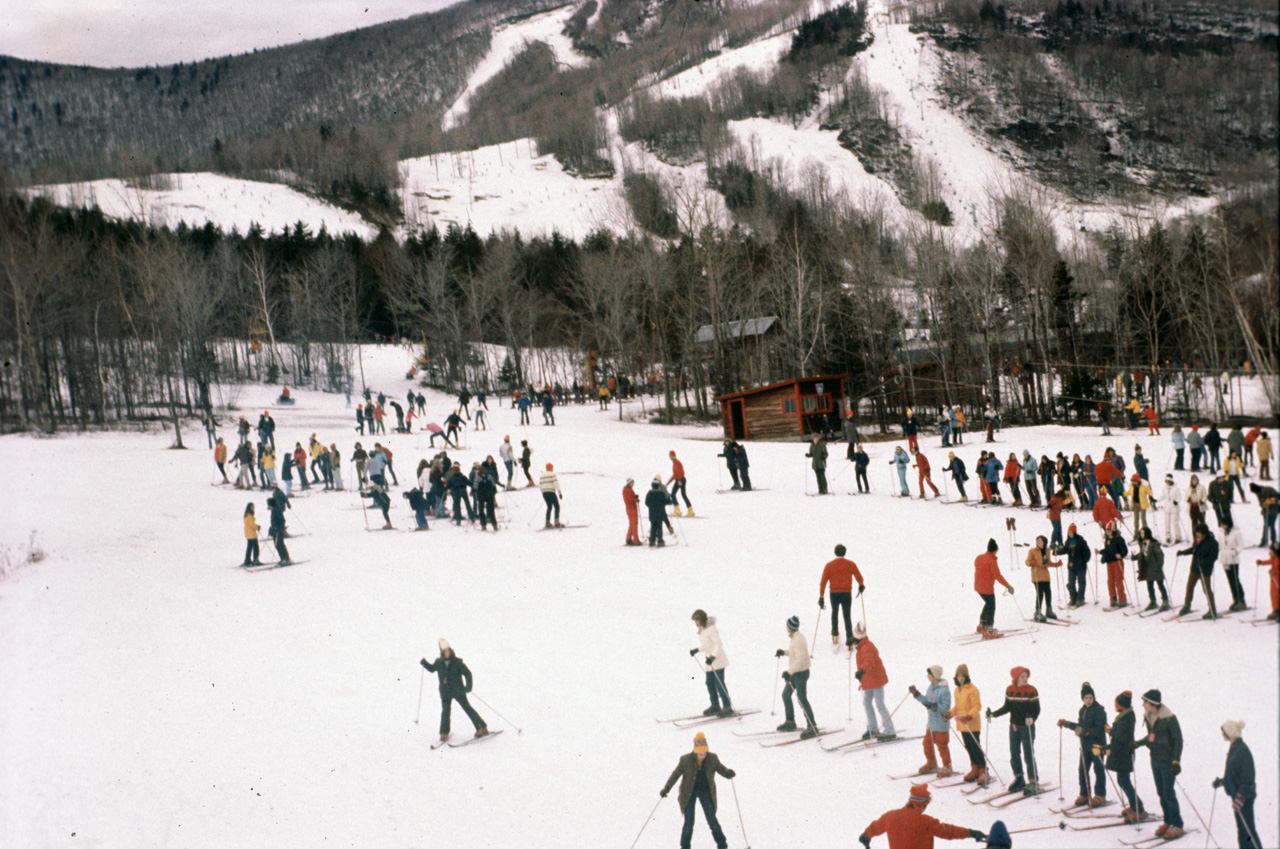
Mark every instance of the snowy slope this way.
pixel 226 202
pixel 155 695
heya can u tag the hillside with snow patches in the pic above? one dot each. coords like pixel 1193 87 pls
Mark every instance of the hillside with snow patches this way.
pixel 509 186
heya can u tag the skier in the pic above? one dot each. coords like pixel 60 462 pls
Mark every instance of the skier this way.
pixel 632 503
pixel 901 459
pixel 508 457
pixel 1150 558
pixel 1012 474
pixel 1114 552
pixel 911 429
pixel 744 465
pixel 252 556
pixel 817 451
pixel 1057 501
pixel 937 701
pixel 1197 497
pixel 418 504
pixel 1179 441
pixel 464 402
pixel 1091 727
pixel 715 659
pixel 989 416
pixel 300 463
pixel 731 460
pixel 1141 499
pixel 986 571
pixel 549 485
pixel 523 404
pixel 922 464
pixel 375 466
pixel 872 680
pixel 840 574
pixel 380 500
pixel 1022 703
pixel 1039 563
pixel 1170 501
pixel 956 468
pixel 1230 552
pixel 526 460
pixel 457 483
pixel 1204 552
pixel 697 774
pixel 277 504
pixel 860 463
pixel 1213 444
pixel 244 459
pixel 452 428
pixel 1195 441
pixel 1268 500
pixel 1078 557
pixel 655 501
pixel 1029 471
pixel 220 458
pixel 680 484
pixel 1239 780
pixel 1265 453
pixel 455 682
pixel 486 491
pixel 911 828
pixel 993 469
pixel 967 712
pixel 1120 757
pixel 548 402
pixel 797 678
pixel 1164 741
pixel 850 431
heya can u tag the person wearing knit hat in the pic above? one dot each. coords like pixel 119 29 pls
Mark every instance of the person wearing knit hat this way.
pixel 1204 553
pixel 797 678
pixel 1114 551
pixel 1120 757
pixel 455 683
pixel 872 680
pixel 967 713
pixel 655 502
pixel 986 572
pixel 1022 703
pixel 956 467
pixel 631 502
pixel 1239 781
pixel 549 485
pixel 1141 500
pixel 912 828
pixel 1078 557
pixel 1091 727
pixel 937 701
pixel 998 837
pixel 1164 742
pixel 696 772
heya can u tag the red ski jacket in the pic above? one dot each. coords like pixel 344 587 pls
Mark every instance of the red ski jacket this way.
pixel 1105 512
pixel 912 828
pixel 868 660
pixel 985 574
pixel 1105 473
pixel 840 573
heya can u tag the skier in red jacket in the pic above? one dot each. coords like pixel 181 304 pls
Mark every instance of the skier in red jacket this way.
pixel 911 828
pixel 872 680
pixel 840 574
pixel 922 463
pixel 985 574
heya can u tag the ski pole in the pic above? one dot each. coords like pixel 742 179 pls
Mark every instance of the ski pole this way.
pixel 863 601
pixel 889 718
pixel 421 681
pixel 1060 826
pixel 1061 798
pixel 500 716
pixel 985 759
pixel 364 510
pixel 1187 796
pixel 1212 807
pixel 777 661
pixel 739 807
pixel 1017 606
pixel 715 679
pixel 1174 577
pixel 646 821
pixel 817 623
pixel 849 681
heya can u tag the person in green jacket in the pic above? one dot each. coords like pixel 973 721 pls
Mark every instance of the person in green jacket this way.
pixel 697 774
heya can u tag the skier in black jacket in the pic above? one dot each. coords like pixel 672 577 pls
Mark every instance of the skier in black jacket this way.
pixel 1078 556
pixel 1240 784
pixel 956 468
pixel 455 683
pixel 1164 742
pixel 731 460
pixel 655 501
pixel 1120 756
pixel 1091 728
pixel 1204 553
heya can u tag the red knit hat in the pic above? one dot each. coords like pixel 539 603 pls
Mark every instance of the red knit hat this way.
pixel 920 795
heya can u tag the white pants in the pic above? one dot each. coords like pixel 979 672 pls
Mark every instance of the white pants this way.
pixel 1172 524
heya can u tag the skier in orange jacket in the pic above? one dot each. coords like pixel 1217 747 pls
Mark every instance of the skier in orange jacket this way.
pixel 911 828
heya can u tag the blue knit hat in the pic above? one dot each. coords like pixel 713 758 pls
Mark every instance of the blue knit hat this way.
pixel 999 835
pixel 794 623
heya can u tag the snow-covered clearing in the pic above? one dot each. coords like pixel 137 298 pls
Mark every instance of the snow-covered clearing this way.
pixel 156 695
pixel 229 203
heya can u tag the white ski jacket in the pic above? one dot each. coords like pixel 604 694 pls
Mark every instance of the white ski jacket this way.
pixel 709 643
pixel 1229 550
pixel 797 654
pixel 1170 498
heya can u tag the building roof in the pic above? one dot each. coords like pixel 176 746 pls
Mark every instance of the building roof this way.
pixel 835 379
pixel 737 329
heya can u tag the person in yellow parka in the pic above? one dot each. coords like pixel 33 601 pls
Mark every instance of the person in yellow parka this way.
pixel 268 460
pixel 251 529
pixel 1133 408
pixel 967 712
pixel 1141 499
pixel 220 458
pixel 315 448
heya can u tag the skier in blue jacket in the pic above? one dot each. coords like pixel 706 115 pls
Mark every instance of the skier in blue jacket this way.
pixel 902 459
pixel 937 701
pixel 993 469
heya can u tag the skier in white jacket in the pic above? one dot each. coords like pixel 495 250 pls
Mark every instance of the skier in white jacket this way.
pixel 797 678
pixel 715 660
pixel 1170 504
pixel 1229 554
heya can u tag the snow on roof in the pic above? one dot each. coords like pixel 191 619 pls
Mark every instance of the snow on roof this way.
pixel 737 329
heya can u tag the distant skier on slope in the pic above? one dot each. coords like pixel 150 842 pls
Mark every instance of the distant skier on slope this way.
pixel 455 683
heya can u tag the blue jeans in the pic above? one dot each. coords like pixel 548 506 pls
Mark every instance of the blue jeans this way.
pixel 1055 539
pixel 715 686
pixel 876 695
pixel 1268 529
pixel 1021 740
pixel 1125 783
pixel 702 795
pixel 798 684
pixel 678 488
pixel 1076 582
pixel 902 478
pixel 1089 759
pixel 421 516
pixel 1167 790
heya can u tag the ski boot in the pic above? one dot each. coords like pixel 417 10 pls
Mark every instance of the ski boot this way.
pixel 928 769
pixel 689 513
pixel 809 733
pixel 787 726
pixel 711 711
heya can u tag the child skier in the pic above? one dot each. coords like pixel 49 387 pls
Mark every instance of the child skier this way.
pixel 1091 728
pixel 937 701
pixel 455 683
pixel 1022 703
pixel 655 502
pixel 797 678
pixel 251 528
pixel 872 680
pixel 713 655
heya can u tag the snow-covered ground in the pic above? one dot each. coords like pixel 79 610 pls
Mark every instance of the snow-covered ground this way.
pixel 156 695
pixel 200 198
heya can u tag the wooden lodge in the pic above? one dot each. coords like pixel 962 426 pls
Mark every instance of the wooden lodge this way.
pixel 792 408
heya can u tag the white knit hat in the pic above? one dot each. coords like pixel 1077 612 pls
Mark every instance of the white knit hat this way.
pixel 859 631
pixel 1233 728
pixel 444 644
pixel 936 671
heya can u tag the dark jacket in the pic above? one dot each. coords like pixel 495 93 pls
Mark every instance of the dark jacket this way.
pixel 656 502
pixel 1213 439
pixel 1078 553
pixel 1164 737
pixel 1203 555
pixel 458 484
pixel 741 454
pixel 1019 703
pixel 818 451
pixel 687 772
pixel 956 468
pixel 1092 723
pixel 860 461
pixel 1115 549
pixel 1120 755
pixel 1239 777
pixel 417 501
pixel 1150 559
pixel 1140 466
pixel 910 426
pixel 453 674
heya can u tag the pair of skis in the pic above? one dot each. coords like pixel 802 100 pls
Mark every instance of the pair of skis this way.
pixel 1005 798
pixel 974 639
pixel 860 745
pixel 774 739
pixel 703 719
pixel 467 742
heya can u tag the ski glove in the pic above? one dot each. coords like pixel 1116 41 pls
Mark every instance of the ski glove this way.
pixel 729 774
pixel 859 674
pixel 711 658
pixel 860 589
pixel 1175 768
pixel 864 840
pixel 786 676
pixel 977 835
pixel 988 713
pixel 1217 782
pixel 1031 720
pixel 662 793
pixel 822 603
pixel 912 689
pixel 692 652
pixel 424 663
pixel 780 653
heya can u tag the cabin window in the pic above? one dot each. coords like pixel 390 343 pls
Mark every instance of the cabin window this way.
pixel 789 405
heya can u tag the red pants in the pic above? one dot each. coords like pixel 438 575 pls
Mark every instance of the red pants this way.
pixel 924 479
pixel 942 740
pixel 1275 587
pixel 1115 581
pixel 912 445
pixel 633 527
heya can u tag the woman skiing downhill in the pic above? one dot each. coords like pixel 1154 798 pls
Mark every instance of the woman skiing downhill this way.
pixel 1039 562
pixel 455 683
pixel 715 660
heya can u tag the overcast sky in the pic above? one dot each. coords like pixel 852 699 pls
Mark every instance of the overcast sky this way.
pixel 128 33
